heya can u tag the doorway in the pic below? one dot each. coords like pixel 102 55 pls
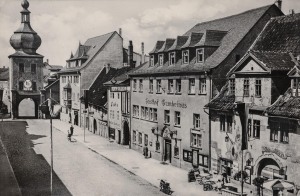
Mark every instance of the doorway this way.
pixel 95 126
pixel 126 136
pixel 119 137
pixel 168 150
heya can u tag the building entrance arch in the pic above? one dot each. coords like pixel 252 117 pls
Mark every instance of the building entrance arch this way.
pixel 126 136
pixel 27 108
pixel 266 165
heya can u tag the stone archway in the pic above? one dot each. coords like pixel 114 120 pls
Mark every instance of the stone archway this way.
pixel 126 136
pixel 265 160
pixel 27 108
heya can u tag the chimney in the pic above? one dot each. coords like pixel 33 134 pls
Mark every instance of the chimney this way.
pixel 130 54
pixel 279 4
pixel 107 68
pixel 143 53
pixel 292 11
pixel 47 61
pixel 120 32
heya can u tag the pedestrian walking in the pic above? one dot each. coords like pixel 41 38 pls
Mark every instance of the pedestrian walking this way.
pixel 145 151
pixel 70 133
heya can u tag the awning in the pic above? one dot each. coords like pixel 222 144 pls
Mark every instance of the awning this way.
pixel 278 184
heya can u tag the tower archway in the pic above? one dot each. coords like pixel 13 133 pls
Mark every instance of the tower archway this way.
pixel 27 108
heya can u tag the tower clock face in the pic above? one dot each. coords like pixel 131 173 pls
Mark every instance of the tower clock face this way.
pixel 27 85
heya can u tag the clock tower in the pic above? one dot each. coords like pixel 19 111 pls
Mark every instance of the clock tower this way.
pixel 26 66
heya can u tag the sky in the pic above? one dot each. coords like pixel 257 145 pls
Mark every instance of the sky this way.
pixel 61 24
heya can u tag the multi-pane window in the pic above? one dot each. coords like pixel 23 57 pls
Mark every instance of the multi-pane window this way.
pixel 151 114
pixel 274 128
pixel 158 86
pixel 178 85
pixel 222 122
pixel 33 68
pixel 134 136
pixel 161 59
pixel 258 87
pixel 143 112
pixel 150 86
pixel 177 118
pixel 152 60
pixel 203 160
pixel 140 138
pixel 284 132
pixel 172 58
pixel 147 113
pixel 185 56
pixel 231 86
pixel 196 121
pixel 21 67
pixel 246 87
pixel 249 127
pixel 154 114
pixel 200 55
pixel 34 86
pixel 21 85
pixel 256 128
pixel 134 84
pixel 192 86
pixel 196 140
pixel 141 85
pixel 202 86
pixel 229 123
pixel 170 86
pixel 136 110
pixel 167 116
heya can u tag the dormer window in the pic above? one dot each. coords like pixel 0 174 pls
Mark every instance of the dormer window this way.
pixel 161 59
pixel 296 86
pixel 152 60
pixel 185 56
pixel 200 55
pixel 172 58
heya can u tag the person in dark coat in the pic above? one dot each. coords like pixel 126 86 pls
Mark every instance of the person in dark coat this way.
pixel 145 151
pixel 71 131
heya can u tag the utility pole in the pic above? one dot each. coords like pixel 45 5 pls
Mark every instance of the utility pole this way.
pixel 51 138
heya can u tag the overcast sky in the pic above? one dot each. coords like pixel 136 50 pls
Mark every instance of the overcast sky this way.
pixel 63 23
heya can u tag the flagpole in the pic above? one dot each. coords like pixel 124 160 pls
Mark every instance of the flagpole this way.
pixel 242 174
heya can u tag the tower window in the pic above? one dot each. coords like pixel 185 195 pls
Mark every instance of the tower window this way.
pixel 21 85
pixel 33 68
pixel 34 86
pixel 21 67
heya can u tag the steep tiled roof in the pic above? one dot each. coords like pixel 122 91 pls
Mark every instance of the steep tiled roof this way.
pixel 222 101
pixel 275 60
pixel 90 48
pixel 97 94
pixel 211 38
pixel 178 43
pixel 236 26
pixel 4 74
pixel 193 39
pixel 168 43
pixel 157 47
pixel 285 106
pixel 280 35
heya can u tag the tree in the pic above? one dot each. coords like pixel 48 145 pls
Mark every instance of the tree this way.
pixel 258 182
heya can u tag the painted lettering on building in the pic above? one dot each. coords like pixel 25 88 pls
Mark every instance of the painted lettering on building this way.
pixel 274 150
pixel 119 88
pixel 152 101
pixel 173 104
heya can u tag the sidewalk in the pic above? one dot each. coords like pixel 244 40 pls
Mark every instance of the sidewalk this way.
pixel 149 169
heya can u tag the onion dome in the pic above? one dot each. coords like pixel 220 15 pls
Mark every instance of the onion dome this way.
pixel 25 38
